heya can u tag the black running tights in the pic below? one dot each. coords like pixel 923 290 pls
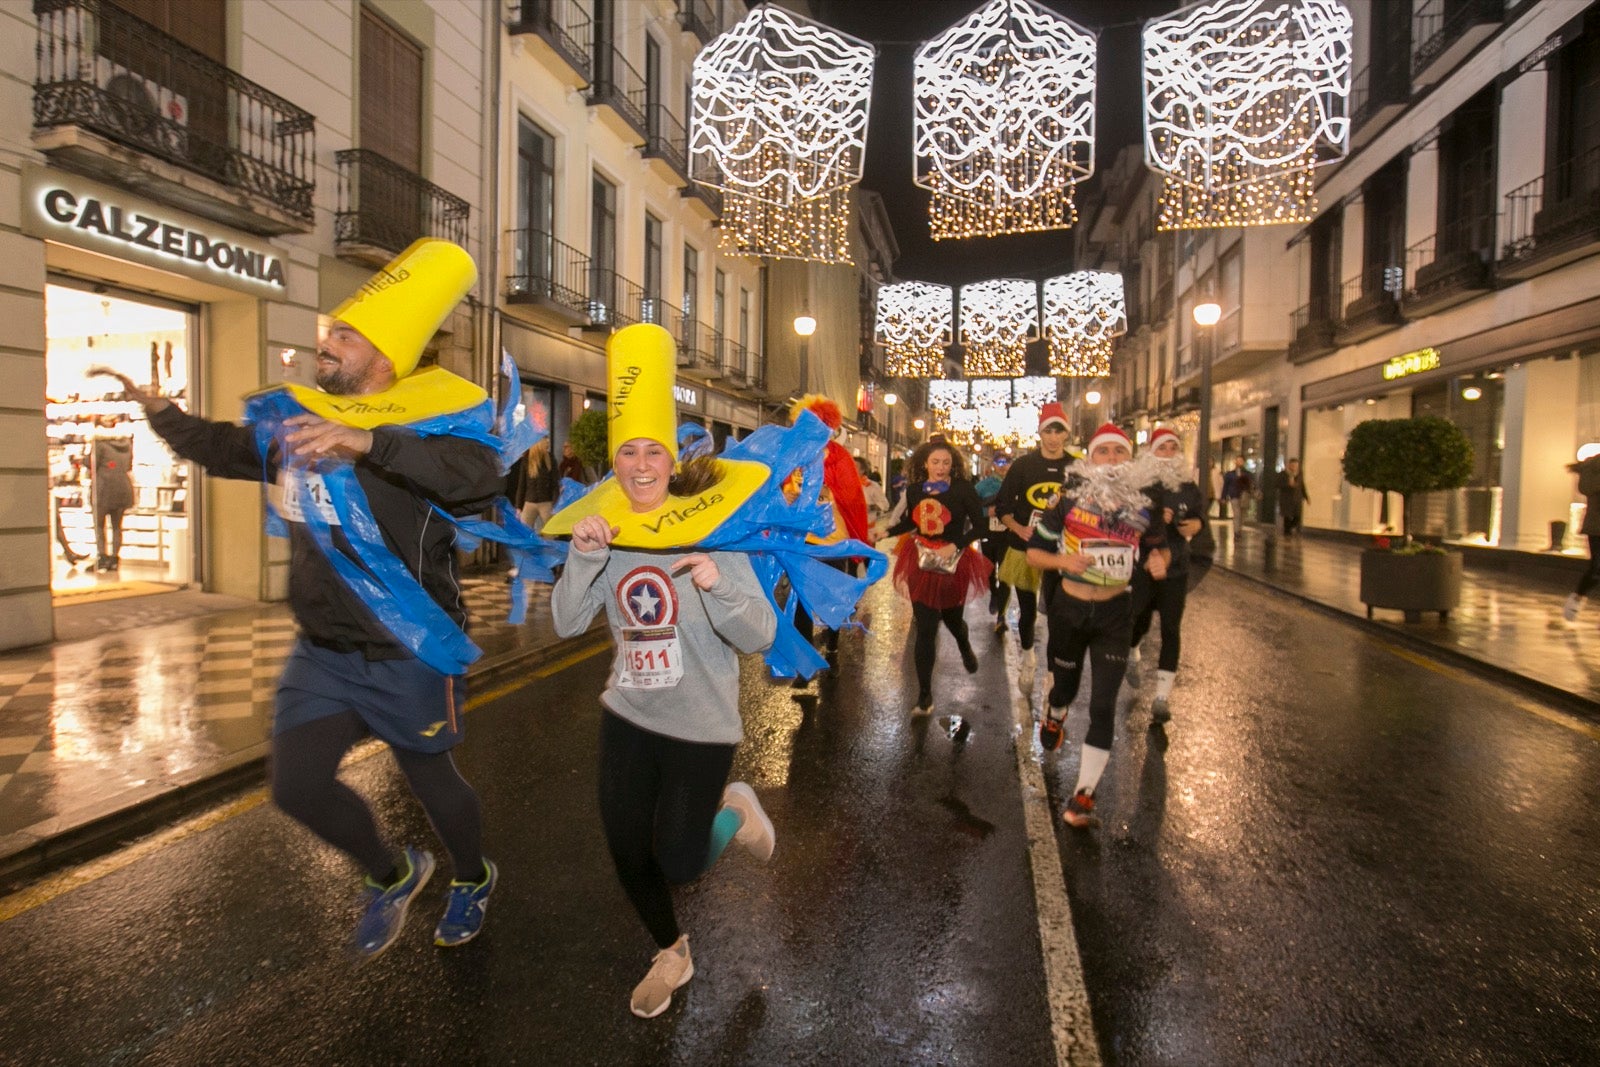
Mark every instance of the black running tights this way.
pixel 1167 596
pixel 658 797
pixel 1591 577
pixel 927 641
pixel 305 784
pixel 1099 629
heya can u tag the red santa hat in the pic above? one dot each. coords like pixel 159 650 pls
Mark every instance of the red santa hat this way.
pixel 1107 432
pixel 1052 413
pixel 1165 431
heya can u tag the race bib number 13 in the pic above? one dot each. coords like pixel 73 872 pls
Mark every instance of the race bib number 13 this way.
pixel 300 486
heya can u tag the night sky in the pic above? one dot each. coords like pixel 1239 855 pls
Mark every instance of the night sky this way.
pixel 897 27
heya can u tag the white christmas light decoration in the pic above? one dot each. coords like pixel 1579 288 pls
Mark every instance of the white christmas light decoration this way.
pixel 997 318
pixel 1004 120
pixel 779 125
pixel 946 395
pixel 914 327
pixel 1082 313
pixel 996 411
pixel 1243 100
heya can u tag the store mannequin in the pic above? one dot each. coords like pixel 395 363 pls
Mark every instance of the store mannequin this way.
pixel 111 493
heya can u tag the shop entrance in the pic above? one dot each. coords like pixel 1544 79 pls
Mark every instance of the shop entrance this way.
pixel 120 501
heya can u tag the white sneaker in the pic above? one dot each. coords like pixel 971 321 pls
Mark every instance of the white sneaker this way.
pixel 1027 671
pixel 1131 675
pixel 755 829
pixel 1570 609
pixel 671 968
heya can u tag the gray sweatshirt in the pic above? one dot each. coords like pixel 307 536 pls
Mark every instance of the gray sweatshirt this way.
pixel 676 671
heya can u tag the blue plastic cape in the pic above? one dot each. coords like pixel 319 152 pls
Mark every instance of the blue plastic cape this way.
pixel 375 574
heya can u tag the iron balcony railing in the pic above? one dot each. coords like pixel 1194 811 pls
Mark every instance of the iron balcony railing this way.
pixel 565 25
pixel 699 17
pixel 1547 206
pixel 1438 24
pixel 619 86
pixel 384 205
pixel 105 70
pixel 666 139
pixel 1378 85
pixel 735 362
pixel 708 196
pixel 1375 278
pixel 544 268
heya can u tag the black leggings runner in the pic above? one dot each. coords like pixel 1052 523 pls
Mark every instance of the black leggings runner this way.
pixel 1167 596
pixel 1100 629
pixel 305 784
pixel 658 797
pixel 927 621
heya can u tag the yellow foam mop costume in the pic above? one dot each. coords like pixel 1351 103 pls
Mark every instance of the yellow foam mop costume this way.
pixel 399 310
pixel 641 369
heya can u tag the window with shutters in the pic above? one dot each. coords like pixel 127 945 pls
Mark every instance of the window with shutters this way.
pixel 392 204
pixel 536 178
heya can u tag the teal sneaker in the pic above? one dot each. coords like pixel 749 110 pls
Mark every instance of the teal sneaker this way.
pixel 386 907
pixel 464 909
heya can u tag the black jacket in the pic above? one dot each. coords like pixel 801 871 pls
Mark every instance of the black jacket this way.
pixel 402 476
pixel 1185 503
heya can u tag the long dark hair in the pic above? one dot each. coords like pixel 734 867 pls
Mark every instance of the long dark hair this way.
pixel 919 461
pixel 695 476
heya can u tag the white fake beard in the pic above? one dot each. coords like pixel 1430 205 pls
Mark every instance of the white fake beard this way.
pixel 1169 471
pixel 1109 487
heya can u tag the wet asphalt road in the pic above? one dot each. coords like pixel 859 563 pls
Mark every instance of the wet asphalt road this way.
pixel 1336 853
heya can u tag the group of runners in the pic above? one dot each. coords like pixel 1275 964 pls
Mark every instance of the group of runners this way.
pixel 371 474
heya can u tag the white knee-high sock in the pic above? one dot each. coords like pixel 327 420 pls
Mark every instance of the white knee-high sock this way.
pixel 1164 680
pixel 1091 768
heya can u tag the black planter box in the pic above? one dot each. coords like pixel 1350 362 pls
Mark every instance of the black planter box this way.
pixel 1412 583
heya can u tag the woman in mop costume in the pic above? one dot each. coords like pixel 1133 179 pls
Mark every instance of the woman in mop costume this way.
pixel 650 547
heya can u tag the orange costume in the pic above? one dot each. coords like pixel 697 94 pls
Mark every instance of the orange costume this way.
pixel 841 481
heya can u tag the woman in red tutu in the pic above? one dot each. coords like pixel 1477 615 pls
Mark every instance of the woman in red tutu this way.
pixel 935 567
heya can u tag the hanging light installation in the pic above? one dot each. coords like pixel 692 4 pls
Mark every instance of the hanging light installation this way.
pixel 1244 99
pixel 997 319
pixel 1004 121
pixel 779 126
pixel 996 411
pixel 1082 313
pixel 914 328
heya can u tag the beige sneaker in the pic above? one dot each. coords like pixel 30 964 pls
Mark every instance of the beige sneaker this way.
pixel 755 829
pixel 671 968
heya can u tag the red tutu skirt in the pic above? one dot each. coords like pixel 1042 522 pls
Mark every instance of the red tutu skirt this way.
pixel 933 588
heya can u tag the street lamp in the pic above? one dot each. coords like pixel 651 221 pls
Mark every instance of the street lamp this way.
pixel 1206 315
pixel 891 400
pixel 1092 397
pixel 805 326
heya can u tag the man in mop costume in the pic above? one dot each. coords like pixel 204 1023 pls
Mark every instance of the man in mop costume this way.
pixel 369 476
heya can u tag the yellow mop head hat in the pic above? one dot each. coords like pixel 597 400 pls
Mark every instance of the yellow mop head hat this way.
pixel 641 369
pixel 401 307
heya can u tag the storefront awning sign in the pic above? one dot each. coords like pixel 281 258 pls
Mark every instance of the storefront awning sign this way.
pixel 1423 359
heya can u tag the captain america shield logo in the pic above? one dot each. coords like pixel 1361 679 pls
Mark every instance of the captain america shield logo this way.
pixel 647 598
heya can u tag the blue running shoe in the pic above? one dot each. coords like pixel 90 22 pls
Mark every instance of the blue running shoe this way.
pixel 465 908
pixel 386 908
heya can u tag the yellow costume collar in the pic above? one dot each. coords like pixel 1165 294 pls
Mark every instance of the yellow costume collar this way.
pixel 679 522
pixel 423 395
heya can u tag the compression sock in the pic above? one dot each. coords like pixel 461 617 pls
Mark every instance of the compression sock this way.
pixel 1164 680
pixel 723 827
pixel 1091 768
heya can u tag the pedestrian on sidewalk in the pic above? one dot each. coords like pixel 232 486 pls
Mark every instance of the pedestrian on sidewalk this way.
pixel 1292 497
pixel 1237 487
pixel 1096 534
pixel 1031 486
pixel 349 675
pixel 1183 513
pixel 670 722
pixel 1588 471
pixel 538 496
pixel 933 566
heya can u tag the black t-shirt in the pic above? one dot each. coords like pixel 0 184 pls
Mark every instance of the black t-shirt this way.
pixel 1031 486
pixel 959 520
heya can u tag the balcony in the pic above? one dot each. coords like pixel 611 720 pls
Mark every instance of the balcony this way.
pixel 383 207
pixel 666 142
pixel 1371 302
pixel 115 98
pixel 566 30
pixel 1554 219
pixel 1446 32
pixel 1313 328
pixel 706 198
pixel 1450 267
pixel 735 363
pixel 698 17
pixel 546 273
pixel 619 91
pixel 1377 94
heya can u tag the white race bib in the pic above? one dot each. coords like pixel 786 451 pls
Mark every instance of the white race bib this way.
pixel 651 658
pixel 296 482
pixel 1113 559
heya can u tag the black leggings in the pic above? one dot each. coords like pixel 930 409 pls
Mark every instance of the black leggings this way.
pixel 1027 611
pixel 108 532
pixel 658 797
pixel 1167 596
pixel 1591 577
pixel 1100 628
pixel 305 785
pixel 927 642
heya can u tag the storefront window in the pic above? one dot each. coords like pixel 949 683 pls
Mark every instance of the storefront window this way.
pixel 119 499
pixel 1477 405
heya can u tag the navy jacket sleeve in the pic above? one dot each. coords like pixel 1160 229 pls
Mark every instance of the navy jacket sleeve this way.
pixel 224 449
pixel 460 476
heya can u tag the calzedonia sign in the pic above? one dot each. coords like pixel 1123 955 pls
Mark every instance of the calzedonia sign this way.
pixel 1423 359
pixel 75 211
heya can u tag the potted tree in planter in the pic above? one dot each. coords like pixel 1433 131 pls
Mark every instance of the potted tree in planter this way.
pixel 1409 456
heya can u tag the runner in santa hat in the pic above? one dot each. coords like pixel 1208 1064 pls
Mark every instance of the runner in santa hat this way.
pixel 1097 534
pixel 1182 511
